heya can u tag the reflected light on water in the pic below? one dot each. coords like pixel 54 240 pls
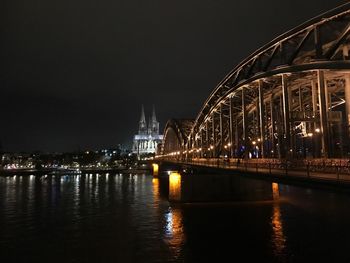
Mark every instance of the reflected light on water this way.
pixel 155 187
pixel 275 191
pixel 175 186
pixel 174 230
pixel 278 237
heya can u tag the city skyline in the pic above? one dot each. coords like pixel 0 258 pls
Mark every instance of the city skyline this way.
pixel 73 71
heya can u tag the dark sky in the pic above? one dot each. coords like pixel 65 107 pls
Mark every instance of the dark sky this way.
pixel 75 72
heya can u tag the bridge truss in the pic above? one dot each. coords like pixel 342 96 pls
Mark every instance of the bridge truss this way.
pixel 289 99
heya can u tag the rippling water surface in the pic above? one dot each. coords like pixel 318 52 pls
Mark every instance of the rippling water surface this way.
pixel 125 218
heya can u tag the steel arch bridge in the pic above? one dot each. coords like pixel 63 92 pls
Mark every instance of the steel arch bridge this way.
pixel 289 99
pixel 176 133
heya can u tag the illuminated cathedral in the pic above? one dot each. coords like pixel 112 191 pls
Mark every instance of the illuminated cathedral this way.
pixel 148 137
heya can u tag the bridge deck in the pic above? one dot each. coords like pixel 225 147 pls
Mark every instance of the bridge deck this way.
pixel 335 174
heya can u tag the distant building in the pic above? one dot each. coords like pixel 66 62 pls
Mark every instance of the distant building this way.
pixel 147 139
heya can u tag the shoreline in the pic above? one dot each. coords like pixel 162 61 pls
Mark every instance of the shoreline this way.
pixel 43 172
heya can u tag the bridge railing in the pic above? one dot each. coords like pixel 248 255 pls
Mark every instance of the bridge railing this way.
pixel 332 169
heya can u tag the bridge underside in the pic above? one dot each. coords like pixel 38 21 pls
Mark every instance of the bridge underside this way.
pixel 290 99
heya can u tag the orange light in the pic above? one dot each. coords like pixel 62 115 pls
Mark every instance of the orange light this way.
pixel 275 191
pixel 278 237
pixel 174 186
pixel 155 169
pixel 155 183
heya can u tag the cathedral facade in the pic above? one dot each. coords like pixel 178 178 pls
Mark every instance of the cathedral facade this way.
pixel 148 137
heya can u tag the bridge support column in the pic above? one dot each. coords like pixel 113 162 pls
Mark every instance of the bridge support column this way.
pixel 314 125
pixel 195 144
pixel 347 98
pixel 207 143
pixel 155 167
pixel 272 135
pixel 221 130
pixel 261 118
pixel 286 119
pixel 214 135
pixel 201 143
pixel 244 124
pixel 323 93
pixel 236 139
pixel 231 127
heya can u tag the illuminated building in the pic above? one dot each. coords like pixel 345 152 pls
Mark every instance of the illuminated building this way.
pixel 147 139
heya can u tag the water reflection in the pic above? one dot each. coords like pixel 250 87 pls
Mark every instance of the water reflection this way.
pixel 155 184
pixel 278 238
pixel 127 218
pixel 174 231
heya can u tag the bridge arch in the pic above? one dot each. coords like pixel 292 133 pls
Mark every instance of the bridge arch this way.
pixel 176 133
pixel 289 99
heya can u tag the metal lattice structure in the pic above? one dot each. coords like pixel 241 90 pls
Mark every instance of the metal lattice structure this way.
pixel 289 99
pixel 176 134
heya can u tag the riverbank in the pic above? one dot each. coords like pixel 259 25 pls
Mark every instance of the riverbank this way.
pixel 28 172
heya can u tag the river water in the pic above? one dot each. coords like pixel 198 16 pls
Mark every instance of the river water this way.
pixel 125 218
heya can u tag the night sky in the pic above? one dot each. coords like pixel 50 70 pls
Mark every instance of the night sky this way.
pixel 75 72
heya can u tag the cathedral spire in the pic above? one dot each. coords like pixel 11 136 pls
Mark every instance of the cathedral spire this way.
pixel 154 118
pixel 142 124
pixel 143 118
pixel 149 126
pixel 154 123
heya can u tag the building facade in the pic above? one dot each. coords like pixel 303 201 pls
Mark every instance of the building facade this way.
pixel 148 137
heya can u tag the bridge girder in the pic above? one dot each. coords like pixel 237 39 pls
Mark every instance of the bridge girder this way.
pixel 284 99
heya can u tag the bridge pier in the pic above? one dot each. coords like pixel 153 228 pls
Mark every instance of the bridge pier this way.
pixel 191 184
pixel 198 187
pixel 155 167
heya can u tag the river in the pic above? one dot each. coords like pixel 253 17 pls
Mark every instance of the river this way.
pixel 126 218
